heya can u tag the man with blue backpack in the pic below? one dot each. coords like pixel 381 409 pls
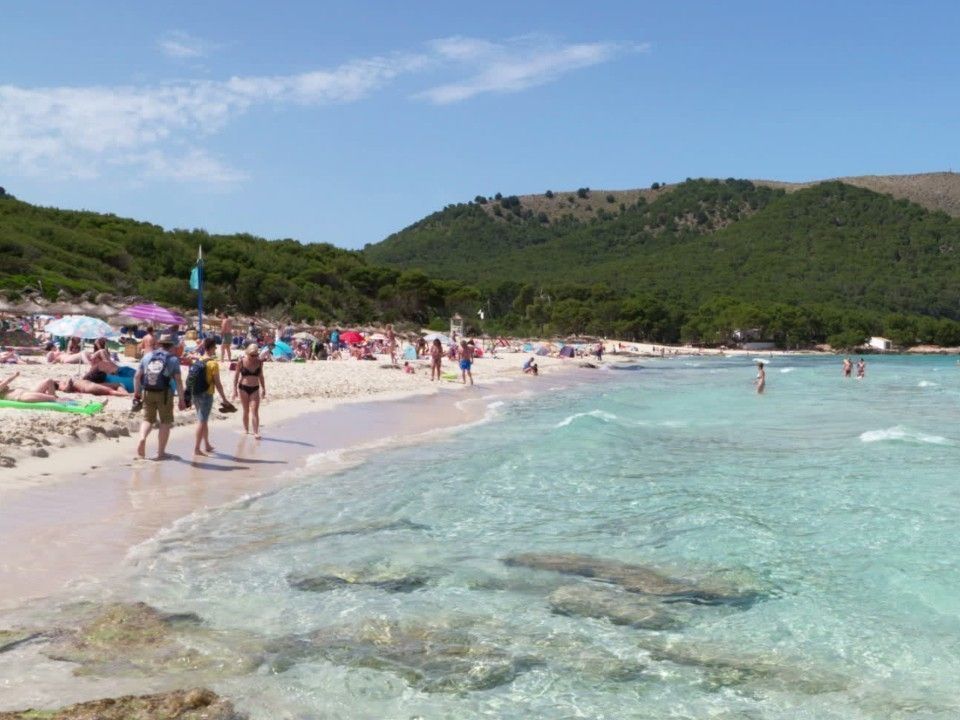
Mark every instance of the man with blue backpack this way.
pixel 154 384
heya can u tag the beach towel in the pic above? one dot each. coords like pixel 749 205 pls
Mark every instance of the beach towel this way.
pixel 90 408
pixel 123 376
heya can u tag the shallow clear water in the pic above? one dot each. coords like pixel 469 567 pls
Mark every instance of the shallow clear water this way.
pixel 835 502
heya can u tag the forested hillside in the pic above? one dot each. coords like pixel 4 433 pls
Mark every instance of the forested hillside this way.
pixel 48 250
pixel 696 262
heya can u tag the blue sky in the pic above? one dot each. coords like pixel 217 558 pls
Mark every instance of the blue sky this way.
pixel 343 122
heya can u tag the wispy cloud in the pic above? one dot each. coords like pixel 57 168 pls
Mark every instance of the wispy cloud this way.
pixel 513 66
pixel 158 131
pixel 184 46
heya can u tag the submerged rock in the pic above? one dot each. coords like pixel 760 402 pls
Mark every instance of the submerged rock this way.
pixel 430 658
pixel 632 578
pixel 725 669
pixel 135 638
pixel 197 704
pixel 10 639
pixel 332 581
pixel 617 606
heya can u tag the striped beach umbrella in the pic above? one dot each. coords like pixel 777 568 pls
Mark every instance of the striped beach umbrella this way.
pixel 154 313
pixel 81 326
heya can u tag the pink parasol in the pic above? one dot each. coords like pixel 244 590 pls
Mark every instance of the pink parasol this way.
pixel 154 313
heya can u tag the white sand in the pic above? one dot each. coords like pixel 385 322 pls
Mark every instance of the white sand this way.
pixel 44 443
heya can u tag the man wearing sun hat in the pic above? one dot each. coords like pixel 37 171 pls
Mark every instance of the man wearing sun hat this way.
pixel 154 384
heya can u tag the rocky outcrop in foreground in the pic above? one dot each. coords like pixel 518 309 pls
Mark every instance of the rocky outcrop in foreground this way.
pixel 197 704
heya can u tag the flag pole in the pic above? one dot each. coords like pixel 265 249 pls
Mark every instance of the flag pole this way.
pixel 200 292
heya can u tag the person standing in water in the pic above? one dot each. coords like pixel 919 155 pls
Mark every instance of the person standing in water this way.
pixel 861 369
pixel 761 380
pixel 847 367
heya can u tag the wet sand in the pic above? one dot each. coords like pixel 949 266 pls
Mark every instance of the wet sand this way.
pixel 81 525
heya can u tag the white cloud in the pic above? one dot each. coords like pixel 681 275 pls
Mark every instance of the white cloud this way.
pixel 183 46
pixel 514 66
pixel 157 131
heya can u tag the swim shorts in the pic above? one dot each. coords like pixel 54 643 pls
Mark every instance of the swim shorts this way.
pixel 465 364
pixel 227 338
pixel 204 404
pixel 158 404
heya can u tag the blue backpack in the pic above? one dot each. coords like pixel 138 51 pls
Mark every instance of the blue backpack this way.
pixel 155 375
pixel 197 378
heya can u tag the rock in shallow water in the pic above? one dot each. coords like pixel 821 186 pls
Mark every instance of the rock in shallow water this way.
pixel 430 658
pixel 617 606
pixel 197 704
pixel 632 578
pixel 387 582
pixel 724 668
pixel 137 639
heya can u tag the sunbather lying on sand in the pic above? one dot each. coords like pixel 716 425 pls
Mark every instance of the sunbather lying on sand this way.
pixel 82 385
pixel 42 394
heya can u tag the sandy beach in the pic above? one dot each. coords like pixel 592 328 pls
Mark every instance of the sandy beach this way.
pixel 76 508
pixel 38 443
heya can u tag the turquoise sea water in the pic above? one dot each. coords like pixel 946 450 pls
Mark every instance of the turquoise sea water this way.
pixel 832 504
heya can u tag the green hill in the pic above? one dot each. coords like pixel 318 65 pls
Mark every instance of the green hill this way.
pixel 698 261
pixel 850 258
pixel 49 250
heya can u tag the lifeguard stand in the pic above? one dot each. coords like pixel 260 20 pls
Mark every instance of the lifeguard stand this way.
pixel 456 327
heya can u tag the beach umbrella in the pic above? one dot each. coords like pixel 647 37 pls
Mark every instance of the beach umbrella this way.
pixel 81 326
pixel 351 336
pixel 305 336
pixel 154 313
pixel 444 340
pixel 282 350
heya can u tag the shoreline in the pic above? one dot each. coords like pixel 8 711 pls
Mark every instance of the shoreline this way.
pixel 80 517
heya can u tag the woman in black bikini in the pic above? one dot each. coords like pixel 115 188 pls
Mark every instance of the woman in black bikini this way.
pixel 250 386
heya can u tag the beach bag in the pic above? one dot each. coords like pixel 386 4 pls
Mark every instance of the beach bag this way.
pixel 155 373
pixel 197 378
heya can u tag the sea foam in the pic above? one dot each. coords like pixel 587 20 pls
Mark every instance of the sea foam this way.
pixel 599 414
pixel 900 433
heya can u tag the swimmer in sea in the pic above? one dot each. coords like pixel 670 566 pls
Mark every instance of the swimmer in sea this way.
pixel 847 367
pixel 761 380
pixel 861 369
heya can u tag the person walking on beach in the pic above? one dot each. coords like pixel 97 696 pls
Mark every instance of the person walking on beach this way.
pixel 251 386
pixel 761 381
pixel 203 392
pixel 153 386
pixel 226 336
pixel 847 367
pixel 861 369
pixel 466 361
pixel 599 351
pixel 391 344
pixel 436 358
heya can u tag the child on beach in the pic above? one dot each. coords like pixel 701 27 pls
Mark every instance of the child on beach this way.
pixel 408 368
